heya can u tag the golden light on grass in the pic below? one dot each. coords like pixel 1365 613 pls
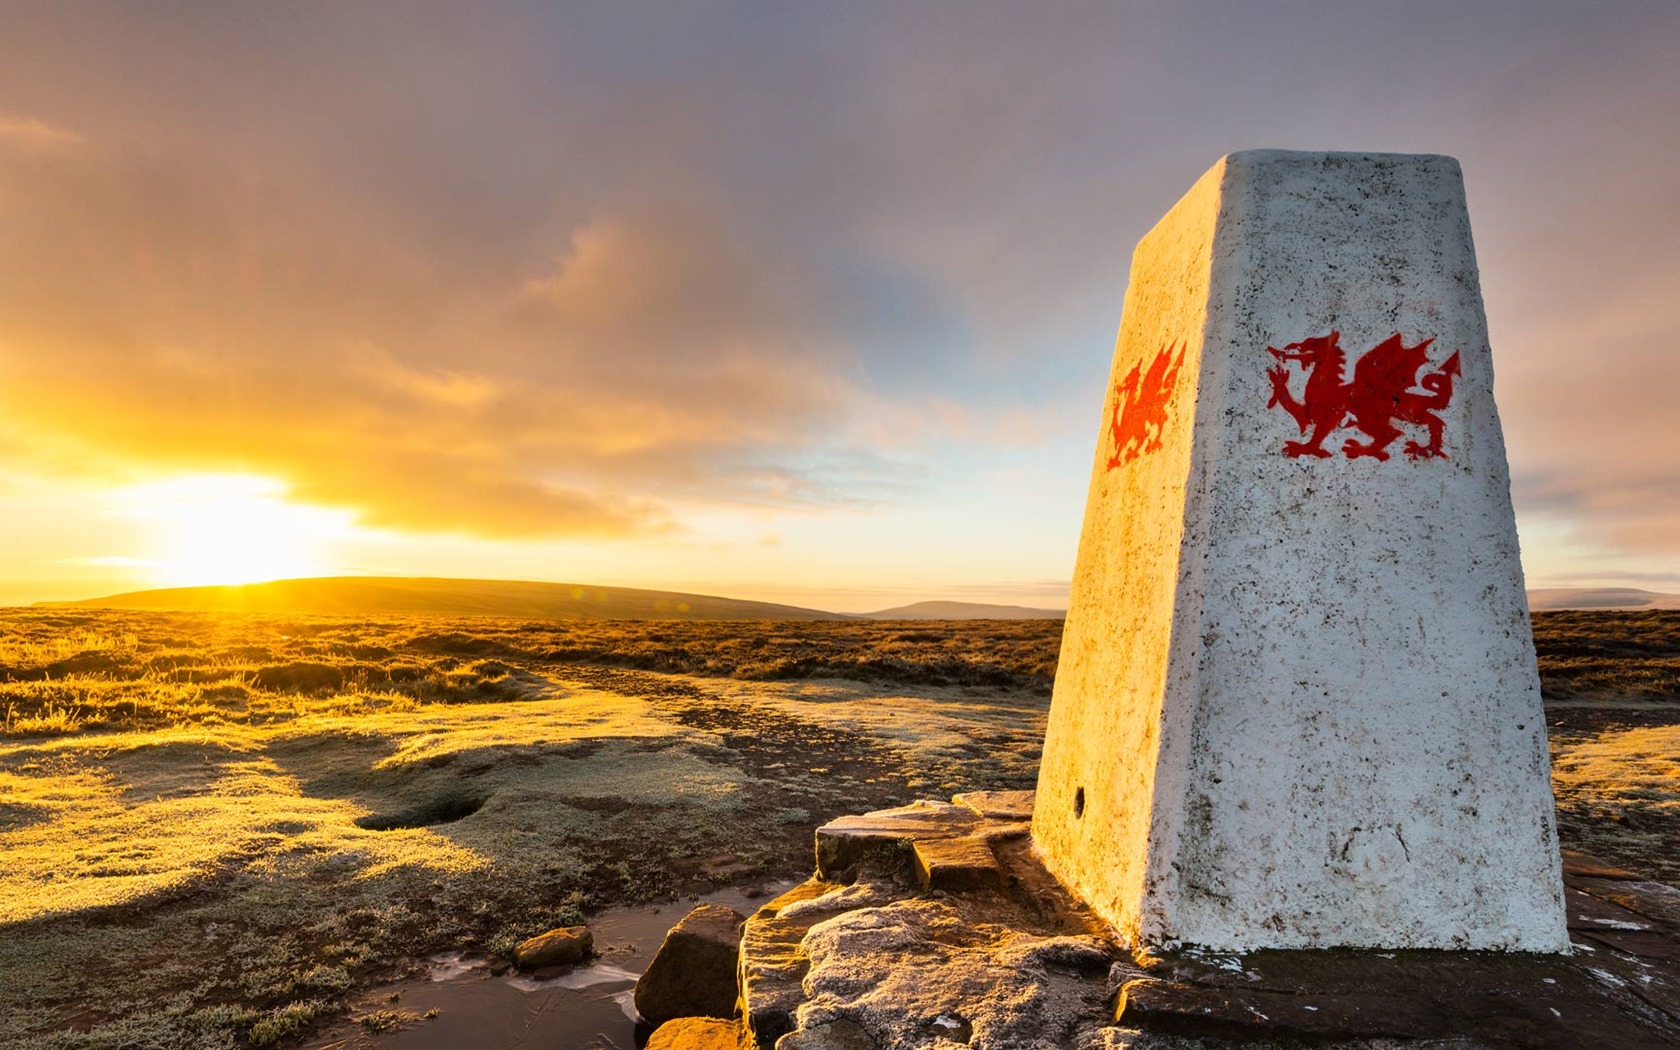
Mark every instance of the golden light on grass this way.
pixel 230 528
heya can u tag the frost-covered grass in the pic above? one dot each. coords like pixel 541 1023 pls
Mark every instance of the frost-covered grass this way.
pixel 215 828
pixel 172 874
pixel 1618 795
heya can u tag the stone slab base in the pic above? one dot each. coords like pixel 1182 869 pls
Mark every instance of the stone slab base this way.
pixel 872 954
pixel 1621 988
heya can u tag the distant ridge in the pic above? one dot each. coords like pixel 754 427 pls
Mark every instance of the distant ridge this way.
pixel 403 595
pixel 1557 598
pixel 373 595
pixel 964 611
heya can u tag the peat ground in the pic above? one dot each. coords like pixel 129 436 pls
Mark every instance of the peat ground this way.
pixel 217 828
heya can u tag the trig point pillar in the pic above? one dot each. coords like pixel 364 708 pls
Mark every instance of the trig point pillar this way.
pixel 1297 703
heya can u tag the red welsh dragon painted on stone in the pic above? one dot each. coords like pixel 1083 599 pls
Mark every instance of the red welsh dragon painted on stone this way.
pixel 1379 395
pixel 1141 403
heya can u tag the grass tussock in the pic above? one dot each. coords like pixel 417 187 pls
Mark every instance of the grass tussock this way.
pixel 1592 655
pixel 66 672
pixel 217 827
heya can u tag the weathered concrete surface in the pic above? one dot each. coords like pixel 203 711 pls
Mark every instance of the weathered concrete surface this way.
pixel 1297 702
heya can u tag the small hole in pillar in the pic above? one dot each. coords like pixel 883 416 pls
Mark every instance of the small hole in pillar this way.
pixel 1079 803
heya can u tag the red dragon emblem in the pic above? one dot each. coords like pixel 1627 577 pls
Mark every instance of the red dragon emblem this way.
pixel 1140 407
pixel 1379 395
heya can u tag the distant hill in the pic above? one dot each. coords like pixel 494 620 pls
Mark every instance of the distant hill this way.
pixel 398 595
pixel 376 595
pixel 964 611
pixel 1550 599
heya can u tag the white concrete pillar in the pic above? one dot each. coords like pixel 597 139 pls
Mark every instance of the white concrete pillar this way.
pixel 1297 703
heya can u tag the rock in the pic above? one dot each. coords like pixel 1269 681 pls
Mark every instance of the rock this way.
pixel 696 1033
pixel 693 973
pixel 924 973
pixel 555 948
pixel 884 836
pixel 876 964
pixel 956 865
pixel 1254 1014
pixel 998 805
pixel 772 970
pixel 844 898
pixel 885 841
pixel 1598 998
pixel 1581 865
pixel 836 1035
pixel 772 965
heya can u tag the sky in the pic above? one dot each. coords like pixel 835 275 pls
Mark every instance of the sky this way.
pixel 809 303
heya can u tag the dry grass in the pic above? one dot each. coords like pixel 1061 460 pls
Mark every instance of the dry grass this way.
pixel 72 671
pixel 1604 656
pixel 215 827
pixel 1618 795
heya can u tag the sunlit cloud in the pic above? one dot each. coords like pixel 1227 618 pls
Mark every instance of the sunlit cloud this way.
pixel 659 361
pixel 33 134
pixel 635 279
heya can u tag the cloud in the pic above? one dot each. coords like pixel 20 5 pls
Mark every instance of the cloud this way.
pixel 33 135
pixel 1589 412
pixel 194 317
pixel 569 271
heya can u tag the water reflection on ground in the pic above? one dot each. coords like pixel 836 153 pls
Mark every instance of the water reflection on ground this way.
pixel 463 1003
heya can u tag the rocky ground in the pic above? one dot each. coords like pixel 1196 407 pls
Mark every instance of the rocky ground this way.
pixel 218 829
pixel 933 924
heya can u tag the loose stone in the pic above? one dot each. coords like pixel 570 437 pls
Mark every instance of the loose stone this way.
pixel 696 1033
pixel 560 947
pixel 693 973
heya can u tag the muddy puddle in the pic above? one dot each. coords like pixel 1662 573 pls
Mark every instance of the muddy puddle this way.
pixel 463 1005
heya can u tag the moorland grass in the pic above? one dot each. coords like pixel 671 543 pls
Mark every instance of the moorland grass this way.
pixel 1602 656
pixel 216 827
pixel 66 671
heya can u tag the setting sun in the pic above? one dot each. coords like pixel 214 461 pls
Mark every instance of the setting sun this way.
pixel 229 528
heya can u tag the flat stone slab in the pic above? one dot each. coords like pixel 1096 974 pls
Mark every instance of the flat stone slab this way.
pixel 998 805
pixel 1581 866
pixel 959 864
pixel 1621 987
pixel 1199 1010
pixel 1503 998
pixel 1652 900
pixel 1014 962
pixel 885 840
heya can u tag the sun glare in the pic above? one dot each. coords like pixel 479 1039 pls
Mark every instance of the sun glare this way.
pixel 230 528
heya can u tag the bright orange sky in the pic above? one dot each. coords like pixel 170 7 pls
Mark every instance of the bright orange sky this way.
pixel 811 303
